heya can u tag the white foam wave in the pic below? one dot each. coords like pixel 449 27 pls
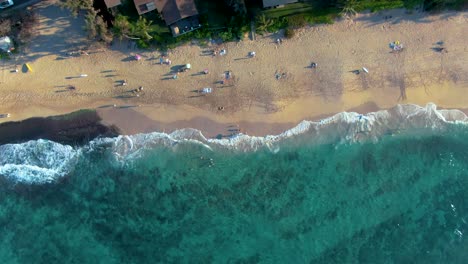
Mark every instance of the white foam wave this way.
pixel 343 127
pixel 43 161
pixel 36 161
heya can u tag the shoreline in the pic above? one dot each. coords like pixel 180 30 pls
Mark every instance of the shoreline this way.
pixel 137 120
pixel 80 127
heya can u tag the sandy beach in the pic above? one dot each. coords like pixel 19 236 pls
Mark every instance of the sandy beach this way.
pixel 266 94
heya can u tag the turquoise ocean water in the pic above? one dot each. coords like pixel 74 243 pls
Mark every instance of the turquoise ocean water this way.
pixel 400 199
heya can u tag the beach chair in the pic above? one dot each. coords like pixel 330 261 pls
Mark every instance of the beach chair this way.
pixel 206 90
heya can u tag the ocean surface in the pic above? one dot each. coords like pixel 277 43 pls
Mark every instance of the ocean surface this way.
pixel 386 187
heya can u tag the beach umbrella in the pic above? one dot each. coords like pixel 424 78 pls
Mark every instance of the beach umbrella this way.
pixel 137 57
pixel 188 66
pixel 28 67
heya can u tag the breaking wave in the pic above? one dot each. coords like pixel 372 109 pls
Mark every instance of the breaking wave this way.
pixel 36 161
pixel 43 161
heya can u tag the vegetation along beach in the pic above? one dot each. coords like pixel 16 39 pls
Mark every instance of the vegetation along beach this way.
pixel 248 131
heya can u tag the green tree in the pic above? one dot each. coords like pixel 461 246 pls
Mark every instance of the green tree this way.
pixel 121 26
pixel 142 28
pixel 348 7
pixel 90 23
pixel 263 23
pixel 96 27
pixel 102 30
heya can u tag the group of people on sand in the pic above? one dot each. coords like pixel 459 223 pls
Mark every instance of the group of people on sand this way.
pixel 221 52
pixel 164 60
pixel 137 90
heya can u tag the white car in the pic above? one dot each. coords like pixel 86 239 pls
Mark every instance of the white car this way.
pixel 5 3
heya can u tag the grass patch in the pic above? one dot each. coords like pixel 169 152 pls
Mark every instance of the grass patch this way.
pixel 311 12
pixel 375 6
pixel 4 56
pixel 288 10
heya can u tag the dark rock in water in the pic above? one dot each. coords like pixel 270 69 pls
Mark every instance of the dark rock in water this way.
pixel 75 129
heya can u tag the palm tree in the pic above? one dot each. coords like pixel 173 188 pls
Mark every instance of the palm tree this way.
pixel 348 8
pixel 142 28
pixel 263 23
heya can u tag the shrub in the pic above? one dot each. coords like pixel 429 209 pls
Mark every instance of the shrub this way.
pixel 410 4
pixel 5 27
pixel 226 35
pixel 289 33
pixel 142 44
pixel 278 23
pixel 76 5
pixel 296 21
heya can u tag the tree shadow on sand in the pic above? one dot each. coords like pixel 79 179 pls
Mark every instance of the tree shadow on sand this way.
pixel 57 33
pixel 396 16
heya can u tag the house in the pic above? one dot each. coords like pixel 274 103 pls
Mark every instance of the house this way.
pixel 144 6
pixel 112 3
pixel 180 15
pixel 277 3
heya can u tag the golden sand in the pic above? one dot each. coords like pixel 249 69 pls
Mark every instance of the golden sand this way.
pixel 417 75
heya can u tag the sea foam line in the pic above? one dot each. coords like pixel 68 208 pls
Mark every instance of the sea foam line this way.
pixel 345 127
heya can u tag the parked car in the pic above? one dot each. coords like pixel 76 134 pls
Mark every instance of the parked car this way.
pixel 5 3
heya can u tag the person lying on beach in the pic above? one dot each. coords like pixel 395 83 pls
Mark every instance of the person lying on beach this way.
pixel 139 89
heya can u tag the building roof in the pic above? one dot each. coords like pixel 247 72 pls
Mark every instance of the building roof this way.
pixel 270 3
pixel 112 3
pixel 144 6
pixel 175 10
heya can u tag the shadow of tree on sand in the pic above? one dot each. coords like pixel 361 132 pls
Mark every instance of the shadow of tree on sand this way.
pixel 396 16
pixel 56 33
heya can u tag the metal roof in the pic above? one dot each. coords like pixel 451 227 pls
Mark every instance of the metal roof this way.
pixel 112 3
pixel 270 3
